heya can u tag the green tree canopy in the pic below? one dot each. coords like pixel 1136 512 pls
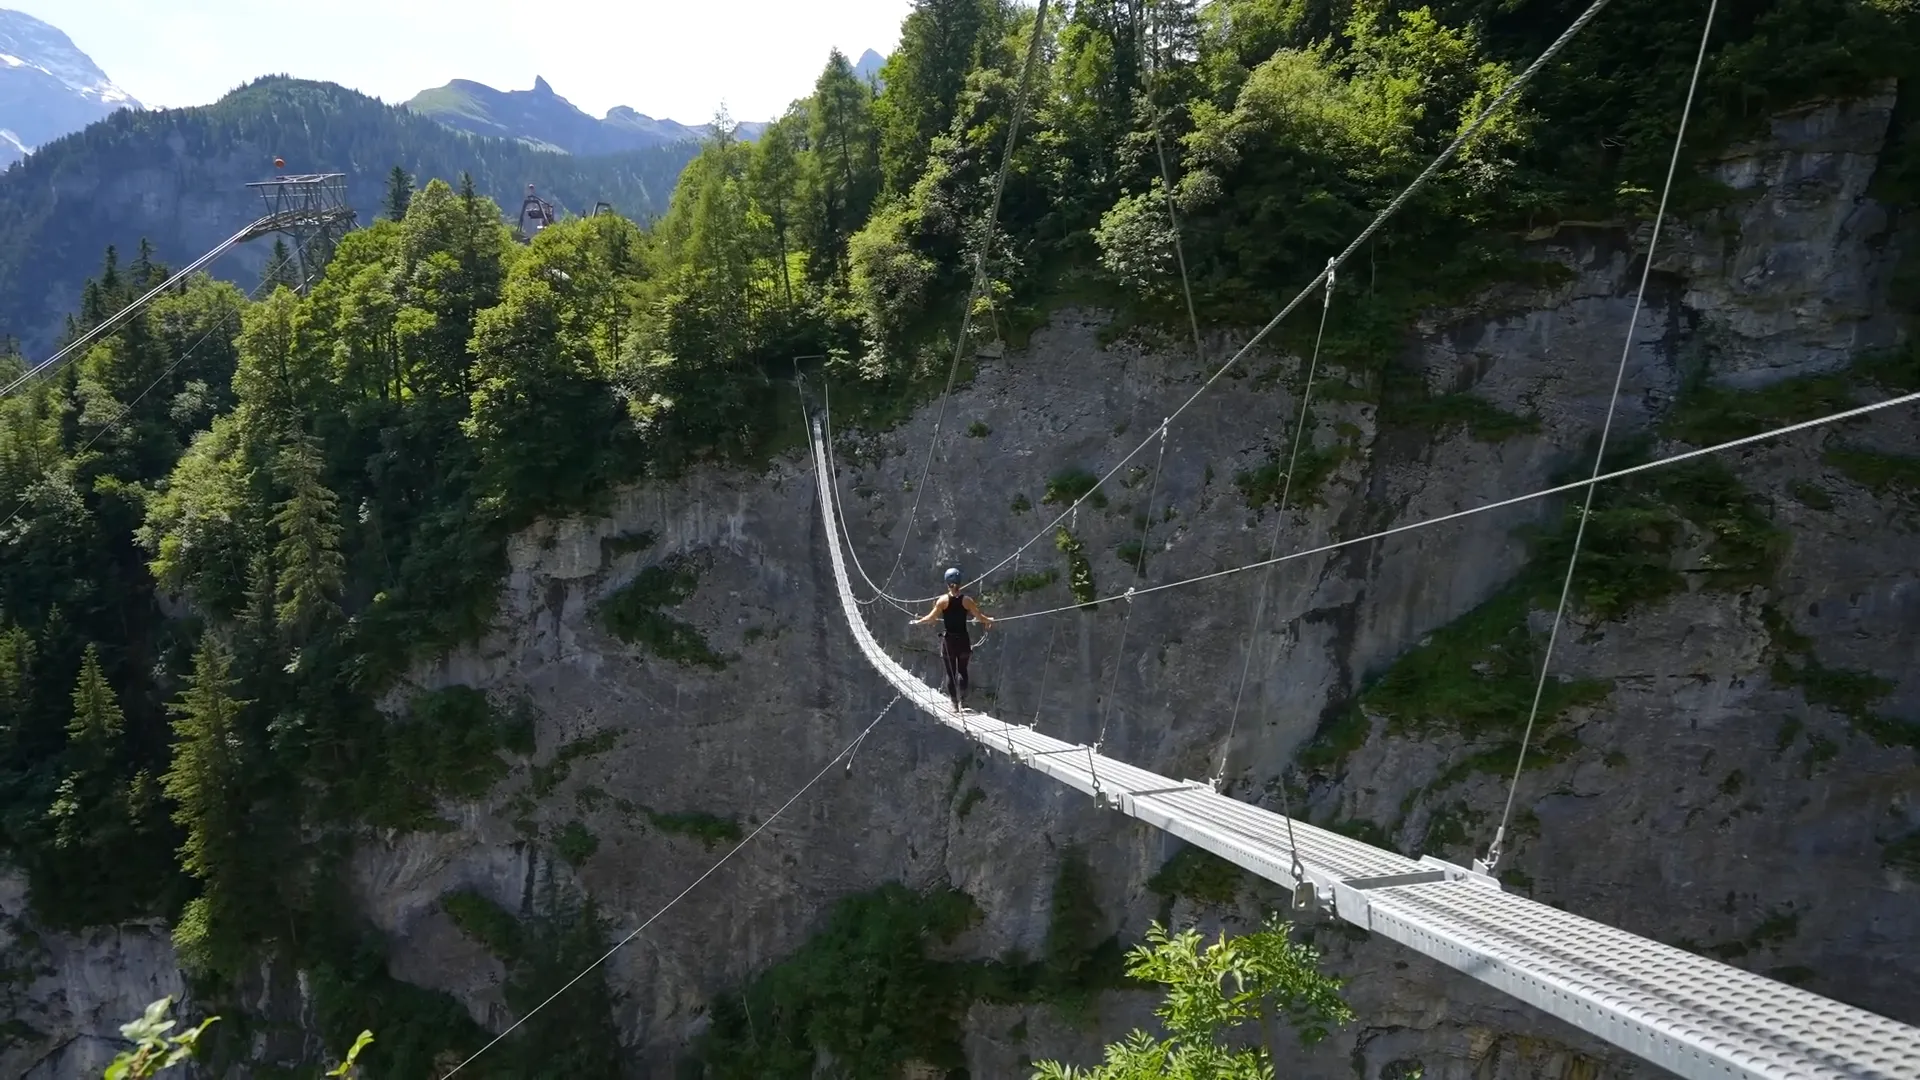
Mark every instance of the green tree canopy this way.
pixel 1262 980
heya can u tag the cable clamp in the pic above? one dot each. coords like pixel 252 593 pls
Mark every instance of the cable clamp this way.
pixel 1486 865
pixel 1164 421
pixel 1330 276
pixel 1128 595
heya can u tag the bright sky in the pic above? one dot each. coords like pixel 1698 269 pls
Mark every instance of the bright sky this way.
pixel 667 58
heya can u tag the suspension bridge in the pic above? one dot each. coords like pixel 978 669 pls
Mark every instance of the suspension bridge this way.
pixel 1690 1015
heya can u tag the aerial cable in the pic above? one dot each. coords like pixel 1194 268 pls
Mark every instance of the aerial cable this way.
pixel 126 409
pixel 973 292
pixel 1466 134
pixel 121 315
pixel 1599 455
pixel 1266 580
pixel 854 750
pixel 847 753
pixel 1561 489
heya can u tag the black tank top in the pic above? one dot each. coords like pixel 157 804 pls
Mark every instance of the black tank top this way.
pixel 954 619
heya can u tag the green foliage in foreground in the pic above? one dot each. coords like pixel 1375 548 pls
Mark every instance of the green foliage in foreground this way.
pixel 155 1051
pixel 1261 981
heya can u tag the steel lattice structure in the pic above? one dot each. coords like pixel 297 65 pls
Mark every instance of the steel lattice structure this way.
pixel 312 210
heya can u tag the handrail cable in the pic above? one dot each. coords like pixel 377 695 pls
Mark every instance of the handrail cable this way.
pixel 973 292
pixel 1393 207
pixel 1560 489
pixel 840 507
pixel 121 315
pixel 1600 452
pixel 668 906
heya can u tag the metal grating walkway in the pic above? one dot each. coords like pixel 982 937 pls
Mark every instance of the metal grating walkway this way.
pixel 1693 1016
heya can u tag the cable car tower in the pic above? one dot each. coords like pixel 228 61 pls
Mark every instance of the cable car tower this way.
pixel 311 210
pixel 536 213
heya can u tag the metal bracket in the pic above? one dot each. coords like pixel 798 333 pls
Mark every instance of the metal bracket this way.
pixel 1453 872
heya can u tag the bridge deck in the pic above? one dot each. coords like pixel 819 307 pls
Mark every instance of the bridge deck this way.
pixel 1694 1016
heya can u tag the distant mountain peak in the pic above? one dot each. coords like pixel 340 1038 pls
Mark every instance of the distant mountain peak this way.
pixel 26 42
pixel 48 87
pixel 867 68
pixel 542 118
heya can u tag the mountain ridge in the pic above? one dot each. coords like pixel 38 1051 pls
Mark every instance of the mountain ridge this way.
pixel 177 178
pixel 49 87
pixel 541 118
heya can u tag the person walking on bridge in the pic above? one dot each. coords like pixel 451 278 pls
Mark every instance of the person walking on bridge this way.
pixel 956 644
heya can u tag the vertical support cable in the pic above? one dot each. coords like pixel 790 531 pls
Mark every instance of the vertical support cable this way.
pixel 1266 578
pixel 1492 861
pixel 979 277
pixel 1139 575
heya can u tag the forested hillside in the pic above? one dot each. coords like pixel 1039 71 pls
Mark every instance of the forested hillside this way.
pixel 178 177
pixel 239 522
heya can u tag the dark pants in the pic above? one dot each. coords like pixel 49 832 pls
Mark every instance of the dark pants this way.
pixel 956 651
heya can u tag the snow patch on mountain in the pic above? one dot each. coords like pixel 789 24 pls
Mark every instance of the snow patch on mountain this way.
pixel 48 87
pixel 27 42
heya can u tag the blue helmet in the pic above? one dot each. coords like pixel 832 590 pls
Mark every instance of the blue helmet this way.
pixel 953 575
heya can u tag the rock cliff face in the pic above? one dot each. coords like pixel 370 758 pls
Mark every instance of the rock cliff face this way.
pixel 1703 799
pixel 65 996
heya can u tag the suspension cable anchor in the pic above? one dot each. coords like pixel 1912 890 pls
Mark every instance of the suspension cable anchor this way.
pixel 1486 866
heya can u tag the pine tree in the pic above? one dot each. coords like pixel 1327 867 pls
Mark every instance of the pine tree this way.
pixel 308 554
pixel 775 179
pixel 282 267
pixel 16 679
pixel 90 808
pixel 939 43
pixel 399 193
pixel 847 159
pixel 203 781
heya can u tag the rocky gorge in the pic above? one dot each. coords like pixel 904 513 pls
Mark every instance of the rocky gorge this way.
pixel 1735 768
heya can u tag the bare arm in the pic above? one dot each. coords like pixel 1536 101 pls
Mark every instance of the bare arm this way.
pixel 978 614
pixel 939 606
